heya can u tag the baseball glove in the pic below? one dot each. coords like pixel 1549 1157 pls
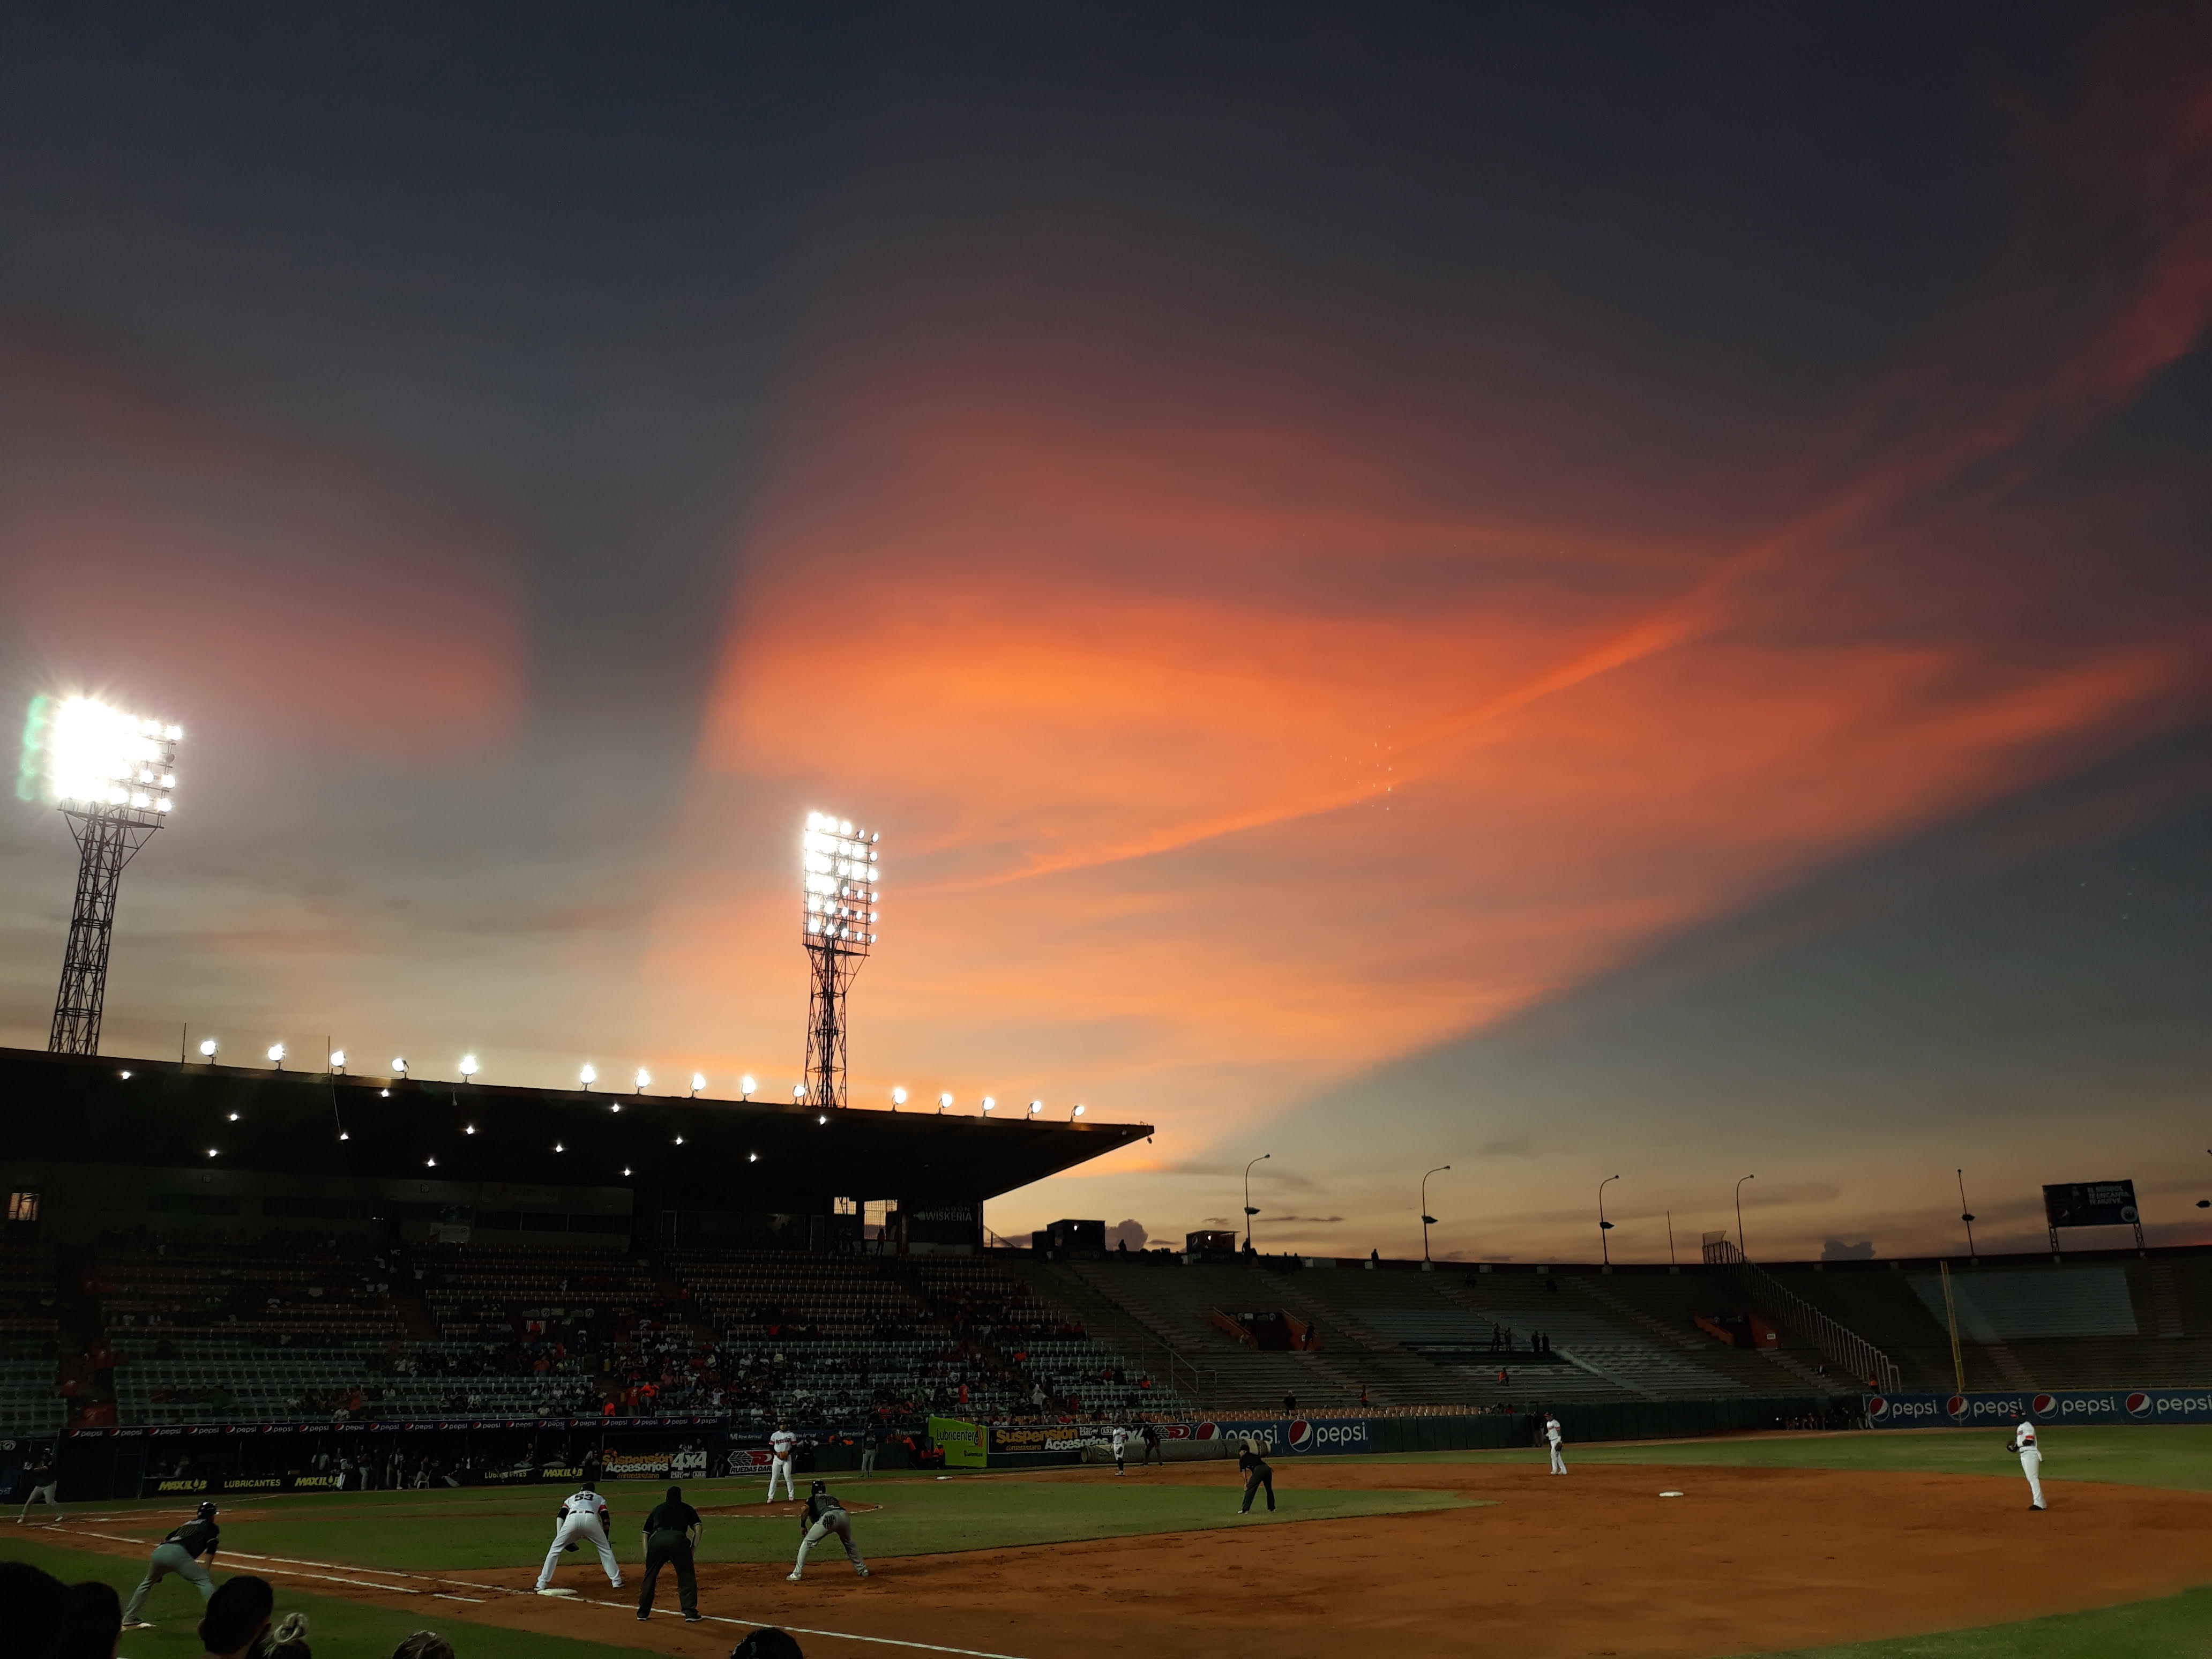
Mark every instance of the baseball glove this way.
pixel 569 1545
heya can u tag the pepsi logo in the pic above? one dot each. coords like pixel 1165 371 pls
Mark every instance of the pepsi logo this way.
pixel 1301 1435
pixel 2041 1405
pixel 1877 1406
pixel 1206 1431
pixel 2138 1404
pixel 1957 1405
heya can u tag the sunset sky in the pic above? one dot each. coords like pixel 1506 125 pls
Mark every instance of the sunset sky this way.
pixel 1565 591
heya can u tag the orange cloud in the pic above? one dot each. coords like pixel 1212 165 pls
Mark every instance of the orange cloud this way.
pixel 198 561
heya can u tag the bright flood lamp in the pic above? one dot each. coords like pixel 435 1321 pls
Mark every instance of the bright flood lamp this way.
pixel 277 1053
pixel 338 1060
pixel 1036 1106
pixel 943 1101
pixel 468 1065
pixel 898 1097
pixel 399 1067
pixel 208 1046
pixel 644 1076
pixel 80 752
pixel 698 1081
pixel 589 1075
pixel 988 1104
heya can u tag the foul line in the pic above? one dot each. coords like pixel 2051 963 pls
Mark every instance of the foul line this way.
pixel 292 1567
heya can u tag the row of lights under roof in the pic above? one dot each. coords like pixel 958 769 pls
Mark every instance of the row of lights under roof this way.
pixel 210 1048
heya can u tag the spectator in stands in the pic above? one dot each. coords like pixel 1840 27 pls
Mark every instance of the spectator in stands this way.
pixel 424 1645
pixel 94 1622
pixel 236 1615
pixel 288 1638
pixel 34 1607
pixel 1290 1403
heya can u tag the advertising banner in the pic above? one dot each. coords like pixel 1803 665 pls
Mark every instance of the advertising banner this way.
pixel 964 1444
pixel 1294 1434
pixel 1941 1411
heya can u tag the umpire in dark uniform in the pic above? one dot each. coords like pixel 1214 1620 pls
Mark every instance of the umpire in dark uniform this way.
pixel 672 1532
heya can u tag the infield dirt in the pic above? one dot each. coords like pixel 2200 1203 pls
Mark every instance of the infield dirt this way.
pixel 1592 1563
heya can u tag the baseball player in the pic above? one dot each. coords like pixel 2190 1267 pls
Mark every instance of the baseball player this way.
pixel 1120 1449
pixel 41 1479
pixel 1256 1475
pixel 823 1515
pixel 2031 1461
pixel 781 1445
pixel 582 1514
pixel 1151 1437
pixel 1552 1436
pixel 188 1550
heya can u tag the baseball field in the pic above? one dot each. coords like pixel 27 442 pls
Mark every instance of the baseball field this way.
pixel 1914 1545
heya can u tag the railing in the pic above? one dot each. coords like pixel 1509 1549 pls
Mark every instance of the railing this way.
pixel 1837 1343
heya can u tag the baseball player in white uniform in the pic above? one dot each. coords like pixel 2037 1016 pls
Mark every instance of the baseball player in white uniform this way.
pixel 781 1445
pixel 582 1518
pixel 1121 1449
pixel 2031 1461
pixel 1553 1437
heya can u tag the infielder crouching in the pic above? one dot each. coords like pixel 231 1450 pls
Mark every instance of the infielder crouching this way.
pixel 583 1516
pixel 2031 1461
pixel 823 1515
pixel 188 1552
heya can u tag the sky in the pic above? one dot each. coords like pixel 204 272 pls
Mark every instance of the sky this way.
pixel 1567 592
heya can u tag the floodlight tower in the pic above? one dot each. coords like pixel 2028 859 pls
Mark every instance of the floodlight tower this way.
pixel 837 883
pixel 112 774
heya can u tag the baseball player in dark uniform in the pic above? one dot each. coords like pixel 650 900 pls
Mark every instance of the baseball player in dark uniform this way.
pixel 1256 1475
pixel 823 1515
pixel 1151 1437
pixel 188 1550
pixel 40 1478
pixel 672 1533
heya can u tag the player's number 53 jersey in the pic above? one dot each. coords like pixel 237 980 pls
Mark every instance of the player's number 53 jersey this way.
pixel 584 1503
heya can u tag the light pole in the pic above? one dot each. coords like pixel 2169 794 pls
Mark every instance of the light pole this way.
pixel 1248 1211
pixel 1966 1215
pixel 1428 1220
pixel 1740 1250
pixel 1604 1246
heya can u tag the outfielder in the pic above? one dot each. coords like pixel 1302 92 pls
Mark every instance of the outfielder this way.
pixel 188 1550
pixel 1553 1437
pixel 823 1515
pixel 1121 1449
pixel 582 1514
pixel 41 1479
pixel 781 1445
pixel 2031 1461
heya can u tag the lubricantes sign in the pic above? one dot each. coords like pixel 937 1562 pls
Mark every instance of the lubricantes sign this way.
pixel 2063 1406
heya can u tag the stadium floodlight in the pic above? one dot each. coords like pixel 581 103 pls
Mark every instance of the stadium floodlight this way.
pixel 840 878
pixel 746 1085
pixel 399 1067
pixel 114 774
pixel 988 1104
pixel 208 1048
pixel 276 1056
pixel 468 1065
pixel 943 1101
pixel 898 1098
pixel 698 1082
pixel 337 1061
pixel 1074 1114
pixel 1036 1106
pixel 644 1076
pixel 798 1092
pixel 589 1075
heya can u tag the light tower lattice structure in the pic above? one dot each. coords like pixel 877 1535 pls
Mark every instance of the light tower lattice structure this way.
pixel 114 774
pixel 838 883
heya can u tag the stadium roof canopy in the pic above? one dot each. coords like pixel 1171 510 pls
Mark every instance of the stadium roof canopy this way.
pixel 732 1154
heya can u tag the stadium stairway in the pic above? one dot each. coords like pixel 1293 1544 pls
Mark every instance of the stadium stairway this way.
pixel 1667 1307
pixel 1172 1302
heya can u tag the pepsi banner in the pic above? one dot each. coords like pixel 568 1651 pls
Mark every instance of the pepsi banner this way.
pixel 1279 1434
pixel 1947 1411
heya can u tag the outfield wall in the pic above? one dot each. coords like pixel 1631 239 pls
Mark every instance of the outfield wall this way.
pixel 2067 1405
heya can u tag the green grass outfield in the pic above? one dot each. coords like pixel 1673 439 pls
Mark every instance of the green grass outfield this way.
pixel 478 1527
pixel 508 1527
